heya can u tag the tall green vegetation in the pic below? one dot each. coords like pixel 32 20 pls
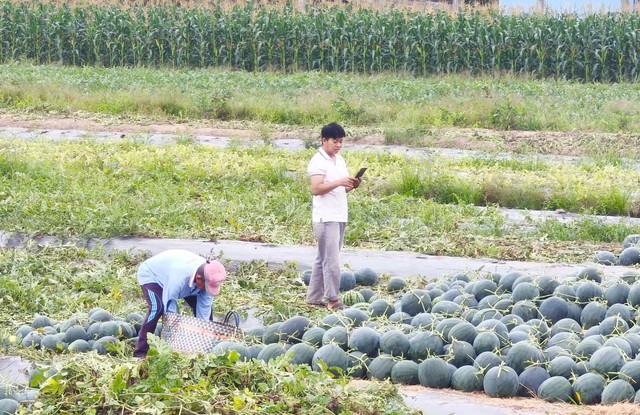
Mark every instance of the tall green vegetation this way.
pixel 248 37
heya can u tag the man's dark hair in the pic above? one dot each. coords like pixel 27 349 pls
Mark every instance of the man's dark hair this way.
pixel 333 130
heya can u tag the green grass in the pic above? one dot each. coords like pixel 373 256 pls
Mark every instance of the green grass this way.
pixel 259 193
pixel 403 109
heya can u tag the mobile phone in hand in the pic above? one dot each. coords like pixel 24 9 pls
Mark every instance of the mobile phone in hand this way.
pixel 360 172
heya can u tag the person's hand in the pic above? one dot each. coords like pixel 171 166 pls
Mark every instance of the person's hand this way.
pixel 348 182
pixel 357 182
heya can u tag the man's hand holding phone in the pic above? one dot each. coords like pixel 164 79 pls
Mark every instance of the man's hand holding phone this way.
pixel 358 177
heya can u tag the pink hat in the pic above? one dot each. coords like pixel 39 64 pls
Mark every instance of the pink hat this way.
pixel 214 274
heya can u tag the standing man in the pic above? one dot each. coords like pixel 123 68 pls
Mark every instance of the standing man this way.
pixel 171 275
pixel 330 183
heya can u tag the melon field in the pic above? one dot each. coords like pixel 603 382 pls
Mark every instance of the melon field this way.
pixel 112 126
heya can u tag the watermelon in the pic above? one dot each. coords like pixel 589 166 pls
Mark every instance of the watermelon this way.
pixel 631 373
pixel 358 365
pixel 524 291
pixel 459 353
pixel 272 333
pixel 335 359
pixel 396 284
pixel 486 341
pixel 501 382
pixel 405 372
pixel 563 366
pixel 394 343
pixel 225 347
pixel 629 256
pixel 618 390
pixel 9 406
pixel 507 280
pixel 605 258
pixel 79 346
pixel 522 355
pixel 467 378
pixel 366 276
pixel 530 380
pixel 313 336
pixel 587 388
pixel 414 302
pixel 381 307
pixel 434 373
pixel 607 361
pixel 593 314
pixel 381 367
pixel 338 336
pixel 486 360
pixel 554 309
pixel 589 273
pixel 556 389
pixel 463 331
pixel 484 288
pixel 271 351
pixel 347 280
pixel 365 340
pixel 423 321
pixel 354 317
pixel 631 240
pixel 305 276
pixel 546 284
pixel 424 345
pixel 301 354
pixel 292 329
pixel 41 321
pixel 352 297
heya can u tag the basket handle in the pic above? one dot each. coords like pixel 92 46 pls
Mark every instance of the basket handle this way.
pixel 232 314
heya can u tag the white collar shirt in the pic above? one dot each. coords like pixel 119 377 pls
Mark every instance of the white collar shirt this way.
pixel 331 206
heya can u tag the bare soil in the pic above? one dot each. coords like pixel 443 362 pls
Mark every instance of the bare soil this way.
pixel 433 399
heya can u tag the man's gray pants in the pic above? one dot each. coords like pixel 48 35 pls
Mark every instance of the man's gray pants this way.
pixel 325 276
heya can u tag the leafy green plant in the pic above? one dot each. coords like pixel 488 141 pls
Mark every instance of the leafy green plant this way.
pixel 260 193
pixel 171 383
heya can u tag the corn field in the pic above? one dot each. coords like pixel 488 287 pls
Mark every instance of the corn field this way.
pixel 589 48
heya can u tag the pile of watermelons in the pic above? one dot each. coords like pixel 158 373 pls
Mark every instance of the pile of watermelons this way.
pixel 630 254
pixel 95 331
pixel 573 340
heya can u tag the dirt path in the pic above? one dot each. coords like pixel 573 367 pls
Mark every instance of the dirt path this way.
pixel 395 263
pixel 571 144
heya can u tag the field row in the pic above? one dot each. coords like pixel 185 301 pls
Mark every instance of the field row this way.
pixel 256 38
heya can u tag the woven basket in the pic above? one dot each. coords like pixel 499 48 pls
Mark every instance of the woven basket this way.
pixel 187 334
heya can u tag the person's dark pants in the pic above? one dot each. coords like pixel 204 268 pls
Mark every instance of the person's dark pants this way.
pixel 153 294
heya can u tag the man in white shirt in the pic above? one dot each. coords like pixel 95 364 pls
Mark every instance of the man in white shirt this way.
pixel 171 275
pixel 330 183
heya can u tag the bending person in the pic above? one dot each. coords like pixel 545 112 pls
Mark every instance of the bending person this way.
pixel 171 275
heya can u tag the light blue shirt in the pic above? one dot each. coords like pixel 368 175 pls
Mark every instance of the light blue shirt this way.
pixel 174 270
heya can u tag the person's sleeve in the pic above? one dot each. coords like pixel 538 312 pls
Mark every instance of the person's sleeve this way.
pixel 315 168
pixel 203 306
